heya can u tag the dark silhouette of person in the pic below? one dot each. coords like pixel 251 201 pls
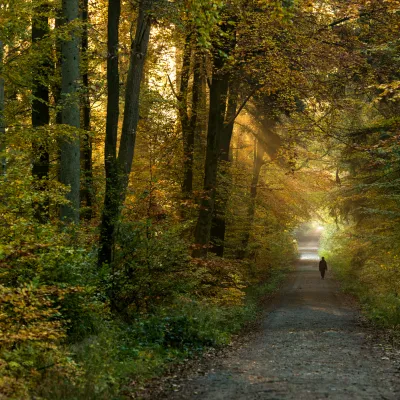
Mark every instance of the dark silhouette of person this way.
pixel 323 266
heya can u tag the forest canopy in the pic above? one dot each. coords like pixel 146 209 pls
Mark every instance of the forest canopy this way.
pixel 156 159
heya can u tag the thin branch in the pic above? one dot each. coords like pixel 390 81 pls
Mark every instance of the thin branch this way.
pixel 348 18
pixel 232 120
pixel 340 21
pixel 173 89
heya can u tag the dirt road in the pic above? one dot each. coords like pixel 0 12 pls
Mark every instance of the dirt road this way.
pixel 310 346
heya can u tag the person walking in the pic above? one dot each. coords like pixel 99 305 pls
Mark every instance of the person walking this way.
pixel 323 266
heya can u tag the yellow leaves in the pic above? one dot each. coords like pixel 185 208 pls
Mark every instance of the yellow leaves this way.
pixel 28 313
pixel 222 281
pixel 390 91
pixel 202 16
pixel 308 5
pixel 228 297
pixel 30 336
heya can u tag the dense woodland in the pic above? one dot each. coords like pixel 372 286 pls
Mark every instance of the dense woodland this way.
pixel 157 157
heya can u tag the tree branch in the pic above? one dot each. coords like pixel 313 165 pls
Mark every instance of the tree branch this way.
pixel 173 89
pixel 348 18
pixel 232 120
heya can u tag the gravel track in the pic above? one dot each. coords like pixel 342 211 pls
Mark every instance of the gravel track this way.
pixel 311 345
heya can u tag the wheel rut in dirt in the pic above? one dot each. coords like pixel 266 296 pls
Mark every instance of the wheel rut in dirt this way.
pixel 310 346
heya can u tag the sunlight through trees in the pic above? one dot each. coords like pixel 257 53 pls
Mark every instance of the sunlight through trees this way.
pixel 156 158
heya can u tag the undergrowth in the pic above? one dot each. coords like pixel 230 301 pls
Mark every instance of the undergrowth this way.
pixel 366 269
pixel 121 356
pixel 71 330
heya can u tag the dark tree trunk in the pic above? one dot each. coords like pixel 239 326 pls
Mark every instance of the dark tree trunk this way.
pixel 218 228
pixel 226 136
pixel 257 165
pixel 2 119
pixel 70 146
pixel 132 96
pixel 194 117
pixel 189 120
pixel 111 200
pixel 87 193
pixel 56 88
pixel 40 110
pixel 187 135
pixel 119 169
pixel 218 93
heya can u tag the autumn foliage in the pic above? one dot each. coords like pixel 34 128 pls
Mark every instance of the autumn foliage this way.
pixel 150 188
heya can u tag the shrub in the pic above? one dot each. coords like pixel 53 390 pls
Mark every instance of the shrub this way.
pixel 31 330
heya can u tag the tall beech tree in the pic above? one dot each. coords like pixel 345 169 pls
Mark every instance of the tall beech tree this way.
pixel 258 162
pixel 223 111
pixel 188 112
pixel 2 116
pixel 118 168
pixel 111 200
pixel 40 102
pixel 217 108
pixel 70 116
pixel 87 151
pixel 218 225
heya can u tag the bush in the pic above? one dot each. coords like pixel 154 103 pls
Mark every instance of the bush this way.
pixel 368 268
pixel 31 328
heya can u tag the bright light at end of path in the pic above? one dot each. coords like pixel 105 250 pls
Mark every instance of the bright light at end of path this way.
pixel 320 228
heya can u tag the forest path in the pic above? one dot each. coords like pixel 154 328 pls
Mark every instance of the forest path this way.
pixel 310 346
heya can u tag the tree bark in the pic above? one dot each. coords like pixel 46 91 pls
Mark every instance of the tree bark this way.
pixel 259 152
pixel 218 228
pixel 218 93
pixel 40 109
pixel 3 159
pixel 187 135
pixel 111 199
pixel 87 193
pixel 189 119
pixel 70 147
pixel 56 87
pixel 118 169
pixel 131 112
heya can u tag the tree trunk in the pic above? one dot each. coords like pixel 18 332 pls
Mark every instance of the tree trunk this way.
pixel 119 169
pixel 189 120
pixel 70 148
pixel 257 165
pixel 87 193
pixel 218 228
pixel 2 117
pixel 187 135
pixel 40 110
pixel 131 112
pixel 56 87
pixel 111 200
pixel 218 93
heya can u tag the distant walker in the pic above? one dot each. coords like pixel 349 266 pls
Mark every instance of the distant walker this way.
pixel 323 266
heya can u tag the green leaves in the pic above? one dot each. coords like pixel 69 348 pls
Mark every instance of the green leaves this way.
pixel 202 17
